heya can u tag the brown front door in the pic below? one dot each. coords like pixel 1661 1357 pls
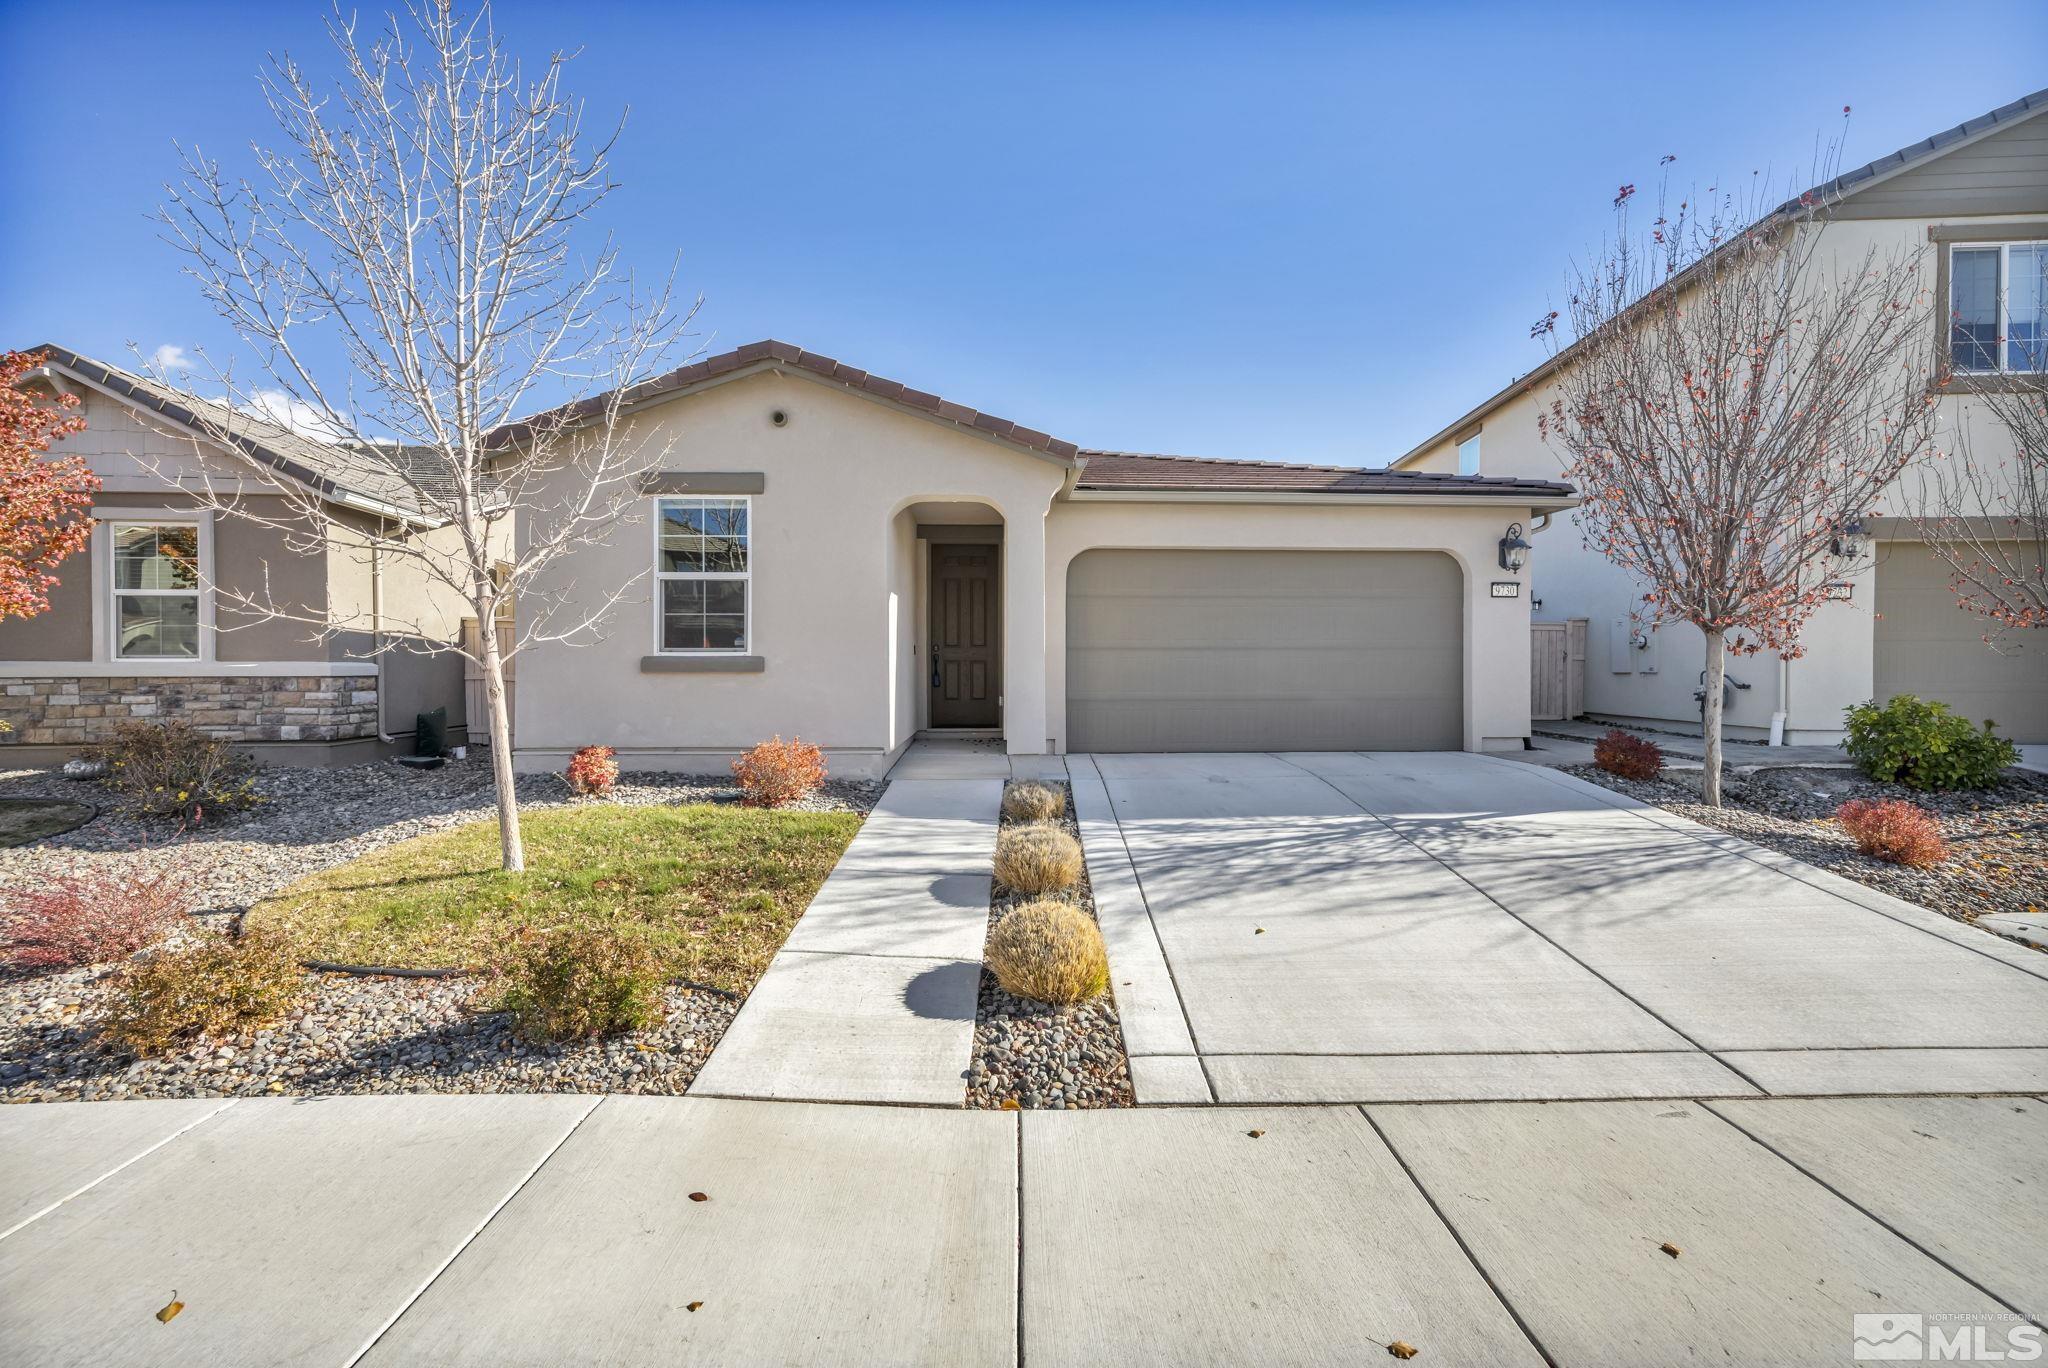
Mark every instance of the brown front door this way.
pixel 965 670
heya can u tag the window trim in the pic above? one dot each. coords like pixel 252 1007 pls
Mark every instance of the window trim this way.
pixel 1947 236
pixel 2003 289
pixel 106 595
pixel 749 646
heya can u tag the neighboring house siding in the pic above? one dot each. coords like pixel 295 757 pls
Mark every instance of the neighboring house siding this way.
pixel 1838 667
pixel 2003 173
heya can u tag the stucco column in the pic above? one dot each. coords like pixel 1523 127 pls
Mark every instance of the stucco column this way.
pixel 1024 720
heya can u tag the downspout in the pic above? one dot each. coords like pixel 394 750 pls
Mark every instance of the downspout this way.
pixel 1778 718
pixel 377 632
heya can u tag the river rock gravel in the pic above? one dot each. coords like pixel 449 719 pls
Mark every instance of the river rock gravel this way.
pixel 1997 836
pixel 352 1034
pixel 1038 1056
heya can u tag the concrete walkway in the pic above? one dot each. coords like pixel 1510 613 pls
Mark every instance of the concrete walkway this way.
pixel 1448 927
pixel 568 1230
pixel 872 998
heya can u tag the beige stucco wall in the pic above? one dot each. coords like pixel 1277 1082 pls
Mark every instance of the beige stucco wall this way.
pixel 836 608
pixel 1837 666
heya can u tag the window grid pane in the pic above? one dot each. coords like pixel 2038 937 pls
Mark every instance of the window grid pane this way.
pixel 703 562
pixel 2026 307
pixel 1973 308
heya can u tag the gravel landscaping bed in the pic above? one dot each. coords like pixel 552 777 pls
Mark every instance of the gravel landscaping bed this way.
pixel 1997 836
pixel 353 1034
pixel 1042 1057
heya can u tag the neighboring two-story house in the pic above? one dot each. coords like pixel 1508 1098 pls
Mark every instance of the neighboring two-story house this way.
pixel 1976 198
pixel 143 623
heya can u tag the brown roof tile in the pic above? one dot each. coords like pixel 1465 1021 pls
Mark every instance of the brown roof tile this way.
pixel 1143 472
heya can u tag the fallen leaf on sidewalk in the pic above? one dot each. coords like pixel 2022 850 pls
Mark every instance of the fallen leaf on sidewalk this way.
pixel 1012 1104
pixel 699 1197
pixel 1669 1248
pixel 1255 1134
pixel 1258 931
pixel 1402 1349
pixel 172 1309
pixel 693 1306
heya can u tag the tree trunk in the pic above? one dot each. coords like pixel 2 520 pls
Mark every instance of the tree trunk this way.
pixel 511 847
pixel 1710 719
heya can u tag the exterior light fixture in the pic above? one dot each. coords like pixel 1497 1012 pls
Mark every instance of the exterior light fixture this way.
pixel 1849 538
pixel 1514 552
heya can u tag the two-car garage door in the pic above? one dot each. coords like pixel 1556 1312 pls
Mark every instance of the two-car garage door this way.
pixel 1264 650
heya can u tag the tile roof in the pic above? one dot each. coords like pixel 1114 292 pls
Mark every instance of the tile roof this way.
pixel 771 352
pixel 337 470
pixel 1143 472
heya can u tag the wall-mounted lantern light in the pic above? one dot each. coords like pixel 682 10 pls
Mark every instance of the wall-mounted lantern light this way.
pixel 1849 539
pixel 1514 552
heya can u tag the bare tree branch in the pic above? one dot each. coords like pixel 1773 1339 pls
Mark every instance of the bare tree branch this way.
pixel 422 219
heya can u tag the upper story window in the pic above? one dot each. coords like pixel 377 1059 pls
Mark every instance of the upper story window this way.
pixel 156 590
pixel 1998 307
pixel 703 570
pixel 1468 455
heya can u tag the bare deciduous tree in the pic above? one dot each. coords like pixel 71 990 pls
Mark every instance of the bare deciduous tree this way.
pixel 405 263
pixel 1987 517
pixel 1737 397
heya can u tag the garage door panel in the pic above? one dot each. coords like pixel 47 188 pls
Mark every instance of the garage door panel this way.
pixel 1928 646
pixel 1264 650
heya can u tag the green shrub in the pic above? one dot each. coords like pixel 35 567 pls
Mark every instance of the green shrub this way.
pixel 573 982
pixel 1048 951
pixel 1923 745
pixel 174 770
pixel 212 985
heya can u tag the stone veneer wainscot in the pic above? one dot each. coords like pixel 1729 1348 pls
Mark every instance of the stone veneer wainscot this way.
pixel 74 712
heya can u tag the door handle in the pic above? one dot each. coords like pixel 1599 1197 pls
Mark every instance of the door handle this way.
pixel 935 667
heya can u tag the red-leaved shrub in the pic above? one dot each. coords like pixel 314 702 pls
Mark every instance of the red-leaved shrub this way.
pixel 1631 757
pixel 1894 830
pixel 592 771
pixel 75 919
pixel 778 772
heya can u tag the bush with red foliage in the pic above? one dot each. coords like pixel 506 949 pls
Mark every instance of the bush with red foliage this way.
pixel 1893 830
pixel 592 771
pixel 1631 757
pixel 777 772
pixel 77 919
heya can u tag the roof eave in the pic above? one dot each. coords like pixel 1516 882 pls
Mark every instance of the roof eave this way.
pixel 1492 498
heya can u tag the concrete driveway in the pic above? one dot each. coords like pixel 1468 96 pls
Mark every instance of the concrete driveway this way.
pixel 1436 927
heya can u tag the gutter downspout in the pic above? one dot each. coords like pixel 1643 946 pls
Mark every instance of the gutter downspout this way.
pixel 1778 718
pixel 377 632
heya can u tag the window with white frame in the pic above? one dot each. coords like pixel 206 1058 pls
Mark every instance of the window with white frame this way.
pixel 1998 306
pixel 1468 455
pixel 156 587
pixel 703 567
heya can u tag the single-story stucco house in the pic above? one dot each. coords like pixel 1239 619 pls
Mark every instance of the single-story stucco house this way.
pixel 144 625
pixel 1973 202
pixel 836 556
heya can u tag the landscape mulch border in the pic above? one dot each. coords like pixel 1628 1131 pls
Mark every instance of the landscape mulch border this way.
pixel 1024 1052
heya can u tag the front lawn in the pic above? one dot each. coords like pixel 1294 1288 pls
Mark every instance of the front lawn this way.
pixel 718 887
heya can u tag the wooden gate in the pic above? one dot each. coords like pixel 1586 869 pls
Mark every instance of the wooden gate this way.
pixel 1557 670
pixel 476 705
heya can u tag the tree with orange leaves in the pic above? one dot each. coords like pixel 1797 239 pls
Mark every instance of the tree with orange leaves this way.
pixel 43 499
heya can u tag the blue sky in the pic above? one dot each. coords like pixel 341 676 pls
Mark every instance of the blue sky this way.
pixel 1297 232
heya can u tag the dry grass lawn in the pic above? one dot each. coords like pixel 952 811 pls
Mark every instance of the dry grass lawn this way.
pixel 716 888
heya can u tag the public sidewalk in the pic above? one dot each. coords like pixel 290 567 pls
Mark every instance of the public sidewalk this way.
pixel 528 1230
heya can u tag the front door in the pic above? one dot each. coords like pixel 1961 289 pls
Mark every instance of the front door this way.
pixel 965 671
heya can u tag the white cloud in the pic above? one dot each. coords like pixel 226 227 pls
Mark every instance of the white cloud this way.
pixel 170 359
pixel 287 412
